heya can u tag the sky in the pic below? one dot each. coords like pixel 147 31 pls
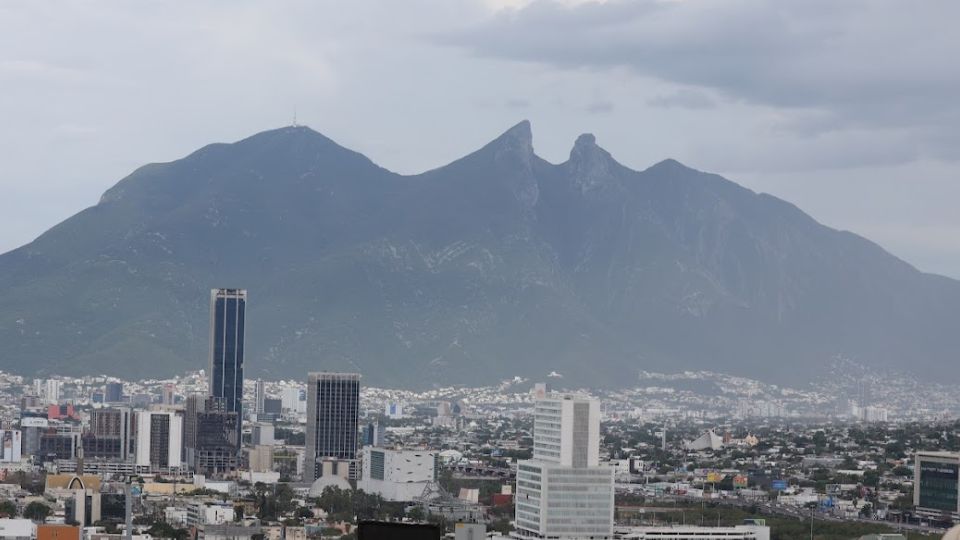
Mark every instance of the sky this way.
pixel 847 109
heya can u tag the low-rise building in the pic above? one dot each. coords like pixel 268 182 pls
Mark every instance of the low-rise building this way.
pixel 750 531
pixel 17 529
pixel 397 475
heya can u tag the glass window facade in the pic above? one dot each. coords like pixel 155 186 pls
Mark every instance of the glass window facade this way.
pixel 227 327
pixel 333 407
pixel 376 465
pixel 938 485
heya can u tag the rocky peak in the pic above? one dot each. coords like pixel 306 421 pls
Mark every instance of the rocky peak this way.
pixel 515 144
pixel 591 166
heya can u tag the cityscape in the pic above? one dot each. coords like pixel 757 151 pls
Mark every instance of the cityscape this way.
pixel 479 270
pixel 214 454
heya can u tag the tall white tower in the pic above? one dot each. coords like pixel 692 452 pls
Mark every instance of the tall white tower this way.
pixel 52 391
pixel 259 396
pixel 564 492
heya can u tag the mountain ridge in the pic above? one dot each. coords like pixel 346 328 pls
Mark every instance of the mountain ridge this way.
pixel 496 264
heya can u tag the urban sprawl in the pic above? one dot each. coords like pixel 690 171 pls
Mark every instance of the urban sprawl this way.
pixel 212 454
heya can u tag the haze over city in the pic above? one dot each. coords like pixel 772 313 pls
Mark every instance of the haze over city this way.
pixel 479 269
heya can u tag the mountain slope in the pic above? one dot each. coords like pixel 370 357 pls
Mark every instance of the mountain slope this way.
pixel 497 264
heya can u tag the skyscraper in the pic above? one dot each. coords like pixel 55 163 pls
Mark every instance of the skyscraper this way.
pixel 169 394
pixel 113 392
pixel 52 391
pixel 111 433
pixel 259 395
pixel 159 439
pixel 227 311
pixel 564 492
pixel 936 480
pixel 195 404
pixel 217 442
pixel 333 404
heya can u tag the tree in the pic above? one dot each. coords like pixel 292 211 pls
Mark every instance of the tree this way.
pixel 271 504
pixel 820 440
pixel 502 526
pixel 37 511
pixel 162 529
pixel 871 478
pixel 416 514
pixel 304 513
pixel 900 470
pixel 8 509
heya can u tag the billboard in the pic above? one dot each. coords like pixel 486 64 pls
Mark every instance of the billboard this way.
pixel 714 477
pixel 739 481
pixel 779 485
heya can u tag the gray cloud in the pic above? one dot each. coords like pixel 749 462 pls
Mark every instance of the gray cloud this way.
pixel 685 98
pixel 851 65
pixel 516 103
pixel 813 100
pixel 600 107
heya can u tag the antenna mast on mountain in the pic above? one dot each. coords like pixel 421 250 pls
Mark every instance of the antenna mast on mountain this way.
pixel 294 117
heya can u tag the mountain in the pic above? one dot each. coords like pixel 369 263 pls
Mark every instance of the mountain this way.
pixel 498 264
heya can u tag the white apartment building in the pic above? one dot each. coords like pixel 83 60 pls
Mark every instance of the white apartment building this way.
pixel 52 391
pixel 159 439
pixel 564 492
pixel 209 513
pixel 291 400
pixel 397 475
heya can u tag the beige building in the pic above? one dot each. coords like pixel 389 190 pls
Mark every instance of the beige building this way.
pixel 260 458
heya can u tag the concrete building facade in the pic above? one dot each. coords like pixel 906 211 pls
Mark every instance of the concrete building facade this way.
pixel 397 475
pixel 564 492
pixel 333 408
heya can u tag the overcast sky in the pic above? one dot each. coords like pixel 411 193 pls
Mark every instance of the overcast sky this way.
pixel 848 109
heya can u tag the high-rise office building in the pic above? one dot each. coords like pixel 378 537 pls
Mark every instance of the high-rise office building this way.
pixel 259 396
pixel 936 480
pixel 159 439
pixel 111 434
pixel 211 435
pixel 292 399
pixel 374 434
pixel 217 445
pixel 169 395
pixel 113 392
pixel 272 410
pixel 11 445
pixel 227 317
pixel 564 492
pixel 194 404
pixel 333 405
pixel 52 391
pixel 32 428
pixel 262 434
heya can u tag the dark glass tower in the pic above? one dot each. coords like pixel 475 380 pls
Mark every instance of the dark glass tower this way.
pixel 333 405
pixel 113 392
pixel 227 309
